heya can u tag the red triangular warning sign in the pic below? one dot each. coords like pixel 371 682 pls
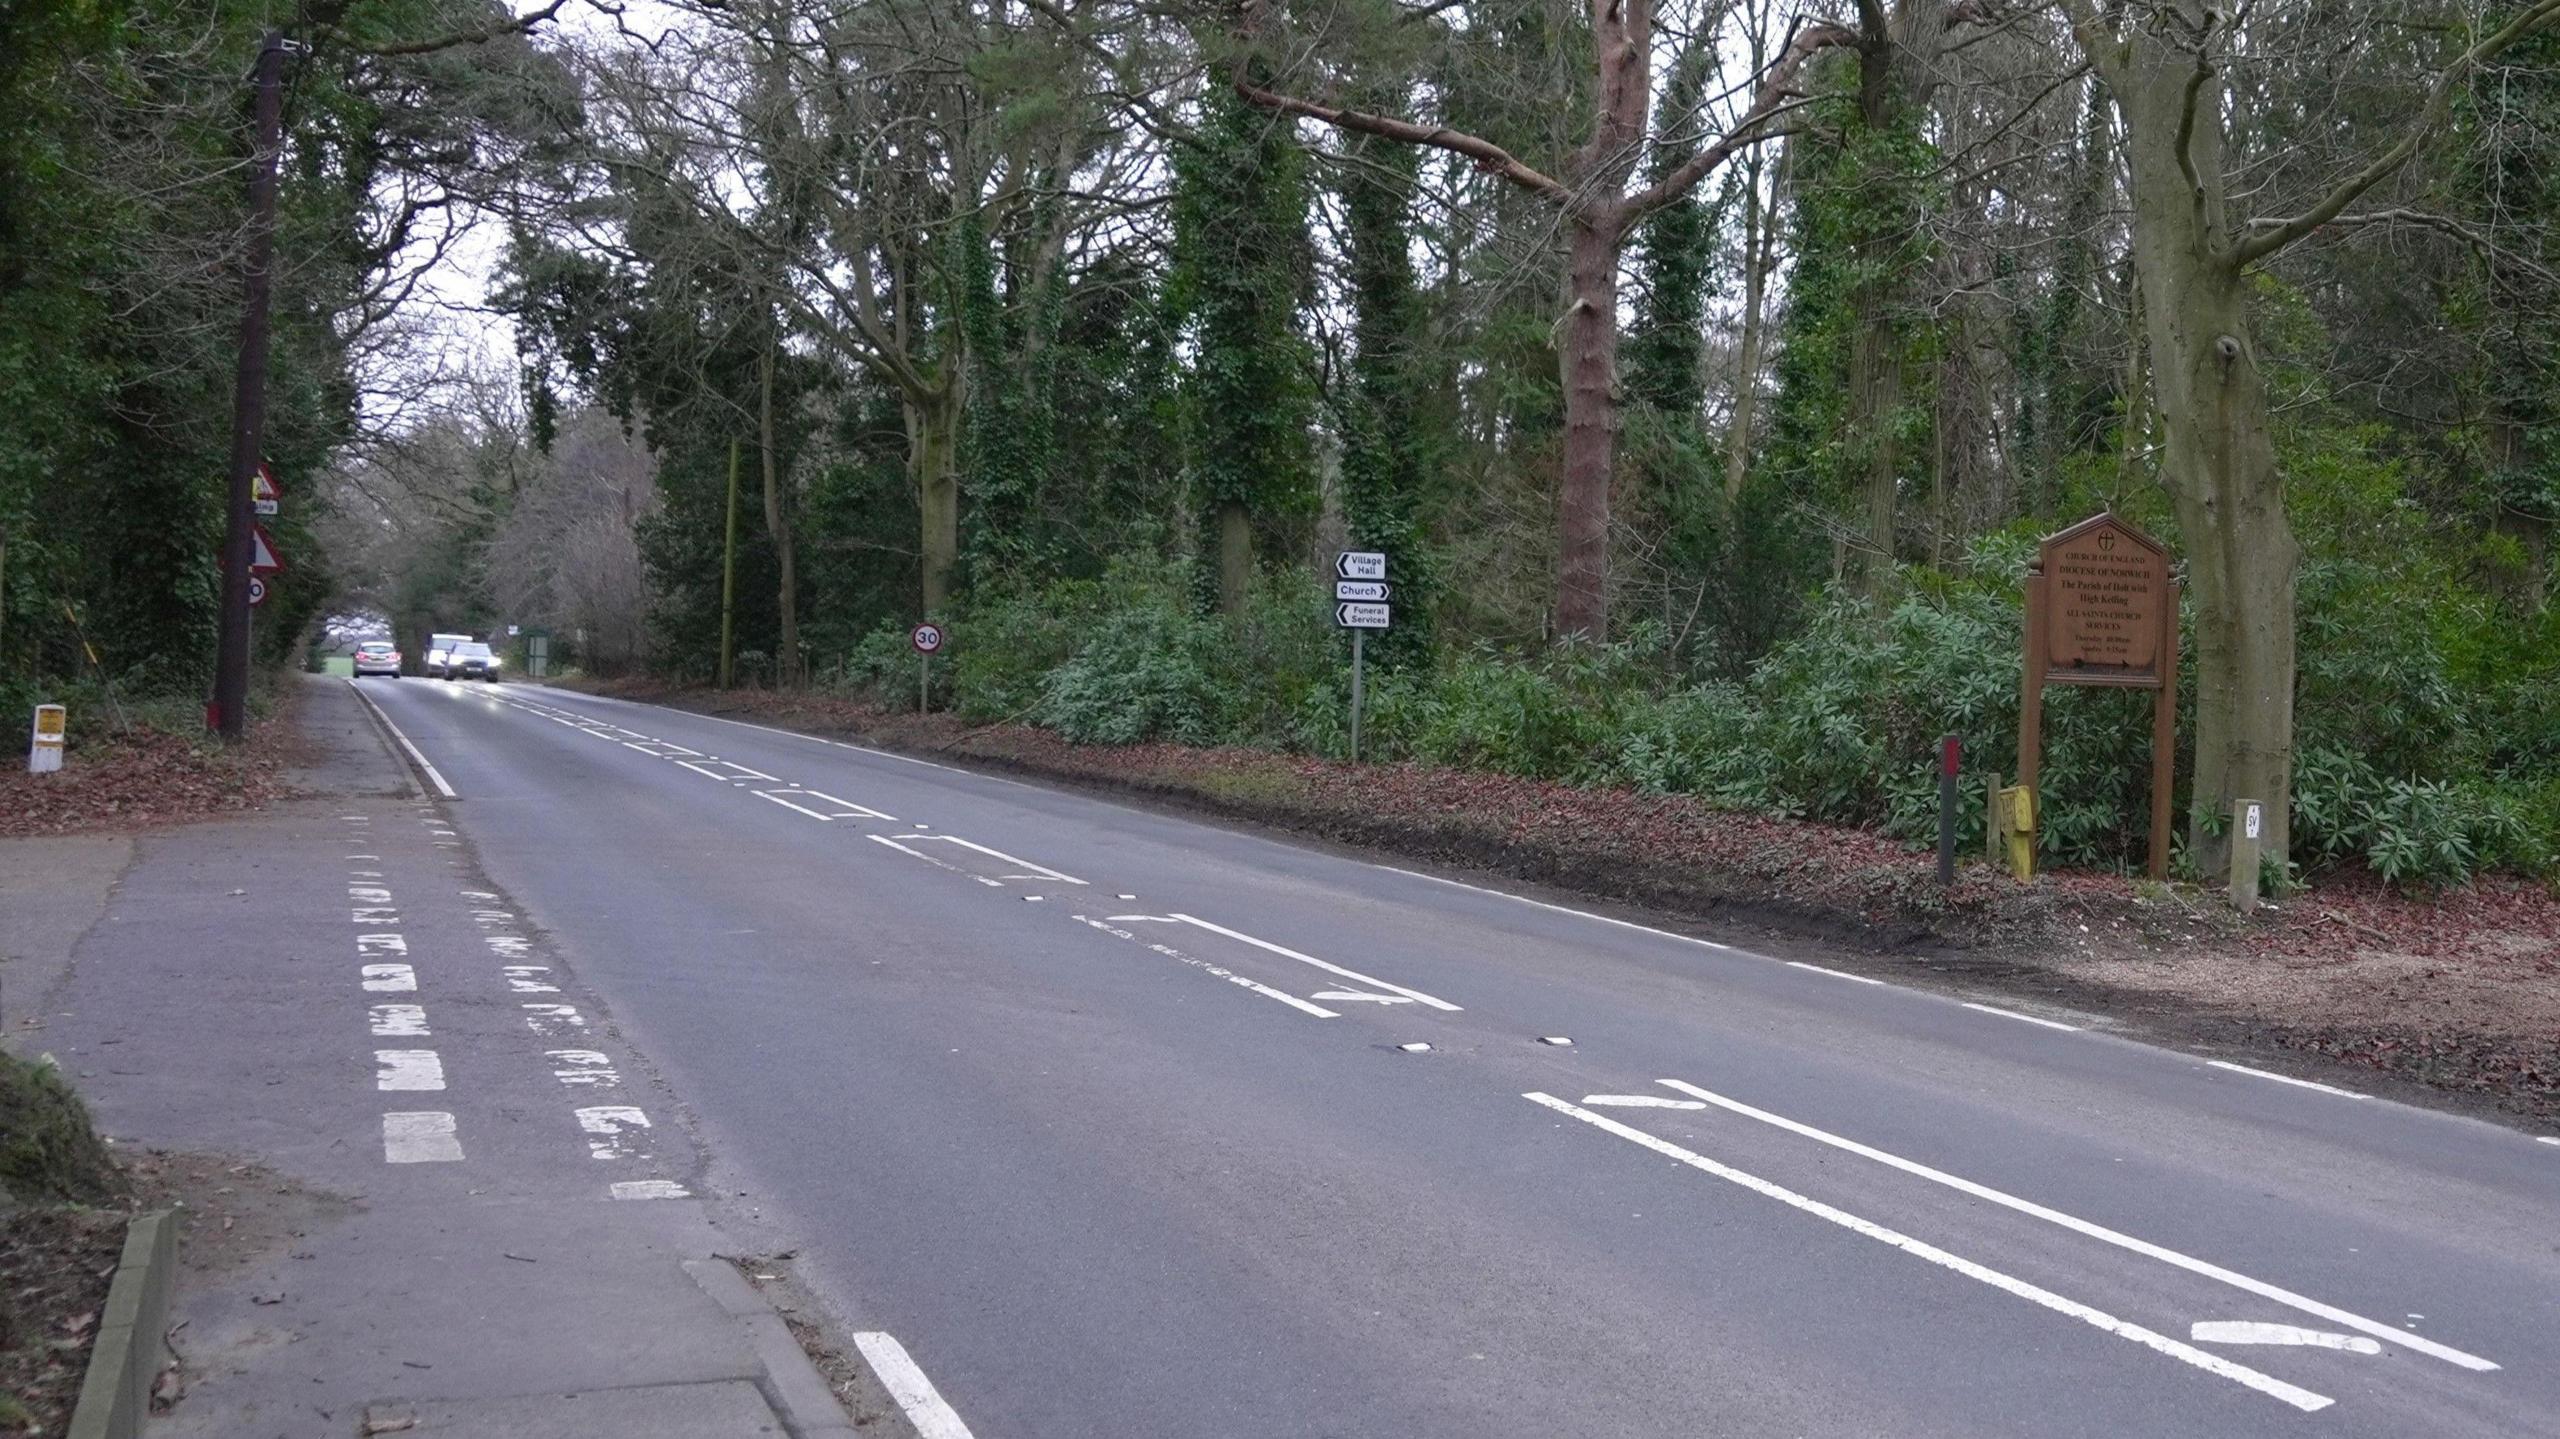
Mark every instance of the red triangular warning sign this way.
pixel 262 486
pixel 262 553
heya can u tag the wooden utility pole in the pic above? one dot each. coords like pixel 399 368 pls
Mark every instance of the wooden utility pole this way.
pixel 228 714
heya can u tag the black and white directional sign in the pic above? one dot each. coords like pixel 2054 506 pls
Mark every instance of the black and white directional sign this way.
pixel 1360 565
pixel 1360 616
pixel 1374 591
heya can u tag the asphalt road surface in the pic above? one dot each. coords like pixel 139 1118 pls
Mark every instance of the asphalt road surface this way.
pixel 1123 1123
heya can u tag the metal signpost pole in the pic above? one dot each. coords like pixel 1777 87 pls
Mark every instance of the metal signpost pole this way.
pixel 1360 596
pixel 1356 666
pixel 927 638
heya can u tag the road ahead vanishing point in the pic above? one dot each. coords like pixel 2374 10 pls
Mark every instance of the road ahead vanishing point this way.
pixel 1124 1124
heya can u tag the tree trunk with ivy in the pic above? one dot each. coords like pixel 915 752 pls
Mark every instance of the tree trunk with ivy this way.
pixel 934 419
pixel 1597 212
pixel 777 520
pixel 1243 273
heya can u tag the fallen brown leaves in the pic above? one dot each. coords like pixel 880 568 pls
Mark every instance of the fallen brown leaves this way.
pixel 55 1265
pixel 148 777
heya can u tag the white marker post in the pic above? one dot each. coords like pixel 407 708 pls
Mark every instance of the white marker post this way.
pixel 1360 605
pixel 2248 824
pixel 44 748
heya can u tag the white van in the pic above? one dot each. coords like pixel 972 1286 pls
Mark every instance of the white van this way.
pixel 440 653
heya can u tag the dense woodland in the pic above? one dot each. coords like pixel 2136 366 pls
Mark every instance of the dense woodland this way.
pixel 1709 372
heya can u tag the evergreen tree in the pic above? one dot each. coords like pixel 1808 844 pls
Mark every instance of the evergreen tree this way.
pixel 1386 463
pixel 1242 271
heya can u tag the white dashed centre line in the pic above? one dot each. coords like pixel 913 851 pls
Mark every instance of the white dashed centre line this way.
pixel 421 1137
pixel 408 1069
pixel 606 1125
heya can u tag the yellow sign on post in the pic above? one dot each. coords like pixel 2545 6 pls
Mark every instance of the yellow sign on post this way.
pixel 44 751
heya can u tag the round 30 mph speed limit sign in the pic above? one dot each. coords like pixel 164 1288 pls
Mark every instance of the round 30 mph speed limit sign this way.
pixel 927 638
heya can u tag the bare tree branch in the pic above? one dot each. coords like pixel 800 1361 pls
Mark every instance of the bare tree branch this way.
pixel 2281 233
pixel 522 24
pixel 1489 157
pixel 1777 86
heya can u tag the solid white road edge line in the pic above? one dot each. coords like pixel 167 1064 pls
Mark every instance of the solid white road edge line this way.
pixel 2095 1231
pixel 2267 1384
pixel 2028 1018
pixel 2286 1079
pixel 1834 973
pixel 913 1393
pixel 441 787
pixel 1562 909
pixel 1329 967
pixel 2250 1331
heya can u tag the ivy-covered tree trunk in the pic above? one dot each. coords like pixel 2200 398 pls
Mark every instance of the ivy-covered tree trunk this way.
pixel 1596 210
pixel 934 420
pixel 777 521
pixel 1384 465
pixel 1759 241
pixel 1240 212
pixel 1897 71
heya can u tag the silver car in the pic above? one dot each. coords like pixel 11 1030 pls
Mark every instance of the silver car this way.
pixel 377 657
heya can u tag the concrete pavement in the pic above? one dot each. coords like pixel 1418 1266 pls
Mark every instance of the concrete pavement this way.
pixel 1132 1125
pixel 497 1221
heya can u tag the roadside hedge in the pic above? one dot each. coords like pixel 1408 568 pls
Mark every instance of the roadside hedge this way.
pixel 2428 745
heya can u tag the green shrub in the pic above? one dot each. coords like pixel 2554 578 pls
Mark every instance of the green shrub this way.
pixel 1153 666
pixel 1153 669
pixel 48 1152
pixel 1004 648
pixel 2429 721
